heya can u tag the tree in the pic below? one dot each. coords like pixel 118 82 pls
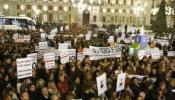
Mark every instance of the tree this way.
pixel 159 25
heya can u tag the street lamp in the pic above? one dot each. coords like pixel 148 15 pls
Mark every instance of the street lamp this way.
pixel 6 9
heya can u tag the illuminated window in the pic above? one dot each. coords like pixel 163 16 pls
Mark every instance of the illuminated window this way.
pixel 45 17
pixel 120 2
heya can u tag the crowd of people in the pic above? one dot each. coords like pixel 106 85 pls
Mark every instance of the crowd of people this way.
pixel 77 80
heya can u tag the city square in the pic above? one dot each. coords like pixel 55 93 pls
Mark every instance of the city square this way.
pixel 87 49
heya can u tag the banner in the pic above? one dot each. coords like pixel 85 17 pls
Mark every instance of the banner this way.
pixel 24 67
pixel 72 55
pixel 64 56
pixel 21 38
pixel 105 52
pixel 155 54
pixel 33 56
pixel 171 53
pixel 141 54
pixel 88 36
pixel 101 84
pixel 80 56
pixel 43 45
pixel 121 82
pixel 49 59
pixel 63 46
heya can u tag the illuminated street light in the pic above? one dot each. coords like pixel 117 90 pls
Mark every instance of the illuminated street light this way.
pixel 45 8
pixel 65 8
pixel 6 6
pixel 22 7
pixel 104 10
pixel 55 8
pixel 112 10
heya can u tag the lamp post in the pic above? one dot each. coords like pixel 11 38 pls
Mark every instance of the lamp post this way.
pixel 6 9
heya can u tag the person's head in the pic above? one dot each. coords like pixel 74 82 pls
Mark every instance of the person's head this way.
pixel 77 80
pixel 44 91
pixel 141 96
pixel 32 87
pixel 162 86
pixel 61 67
pixel 134 80
pixel 40 83
pixel 51 85
pixel 24 95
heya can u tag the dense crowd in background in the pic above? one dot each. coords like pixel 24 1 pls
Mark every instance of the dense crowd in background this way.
pixel 77 80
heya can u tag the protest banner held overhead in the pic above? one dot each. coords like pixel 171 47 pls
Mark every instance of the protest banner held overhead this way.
pixel 24 67
pixel 101 84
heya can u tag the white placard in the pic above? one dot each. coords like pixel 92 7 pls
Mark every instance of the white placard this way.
pixel 155 54
pixel 64 56
pixel 161 52
pixel 24 67
pixel 54 31
pixel 61 28
pixel 49 59
pixel 141 54
pixel 63 46
pixel 43 35
pixel 101 84
pixel 121 82
pixel 72 55
pixel 80 56
pixel 43 45
pixel 111 39
pixel 88 36
pixel 171 53
pixel 136 76
pixel 33 56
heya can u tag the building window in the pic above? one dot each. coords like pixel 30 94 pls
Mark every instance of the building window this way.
pixel 125 2
pixel 45 17
pixel 116 2
pixel 55 18
pixel 112 19
pixel 116 18
pixel 40 7
pixel 108 10
pixel 18 6
pixel 28 6
pixel 116 10
pixel 104 19
pixel 60 8
pixel 50 7
pixel 120 2
pixel 94 18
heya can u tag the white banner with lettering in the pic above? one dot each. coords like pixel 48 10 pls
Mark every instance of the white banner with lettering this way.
pixel 49 59
pixel 43 45
pixel 64 56
pixel 105 52
pixel 33 56
pixel 24 67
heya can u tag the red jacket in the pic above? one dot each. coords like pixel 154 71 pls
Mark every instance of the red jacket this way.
pixel 63 86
